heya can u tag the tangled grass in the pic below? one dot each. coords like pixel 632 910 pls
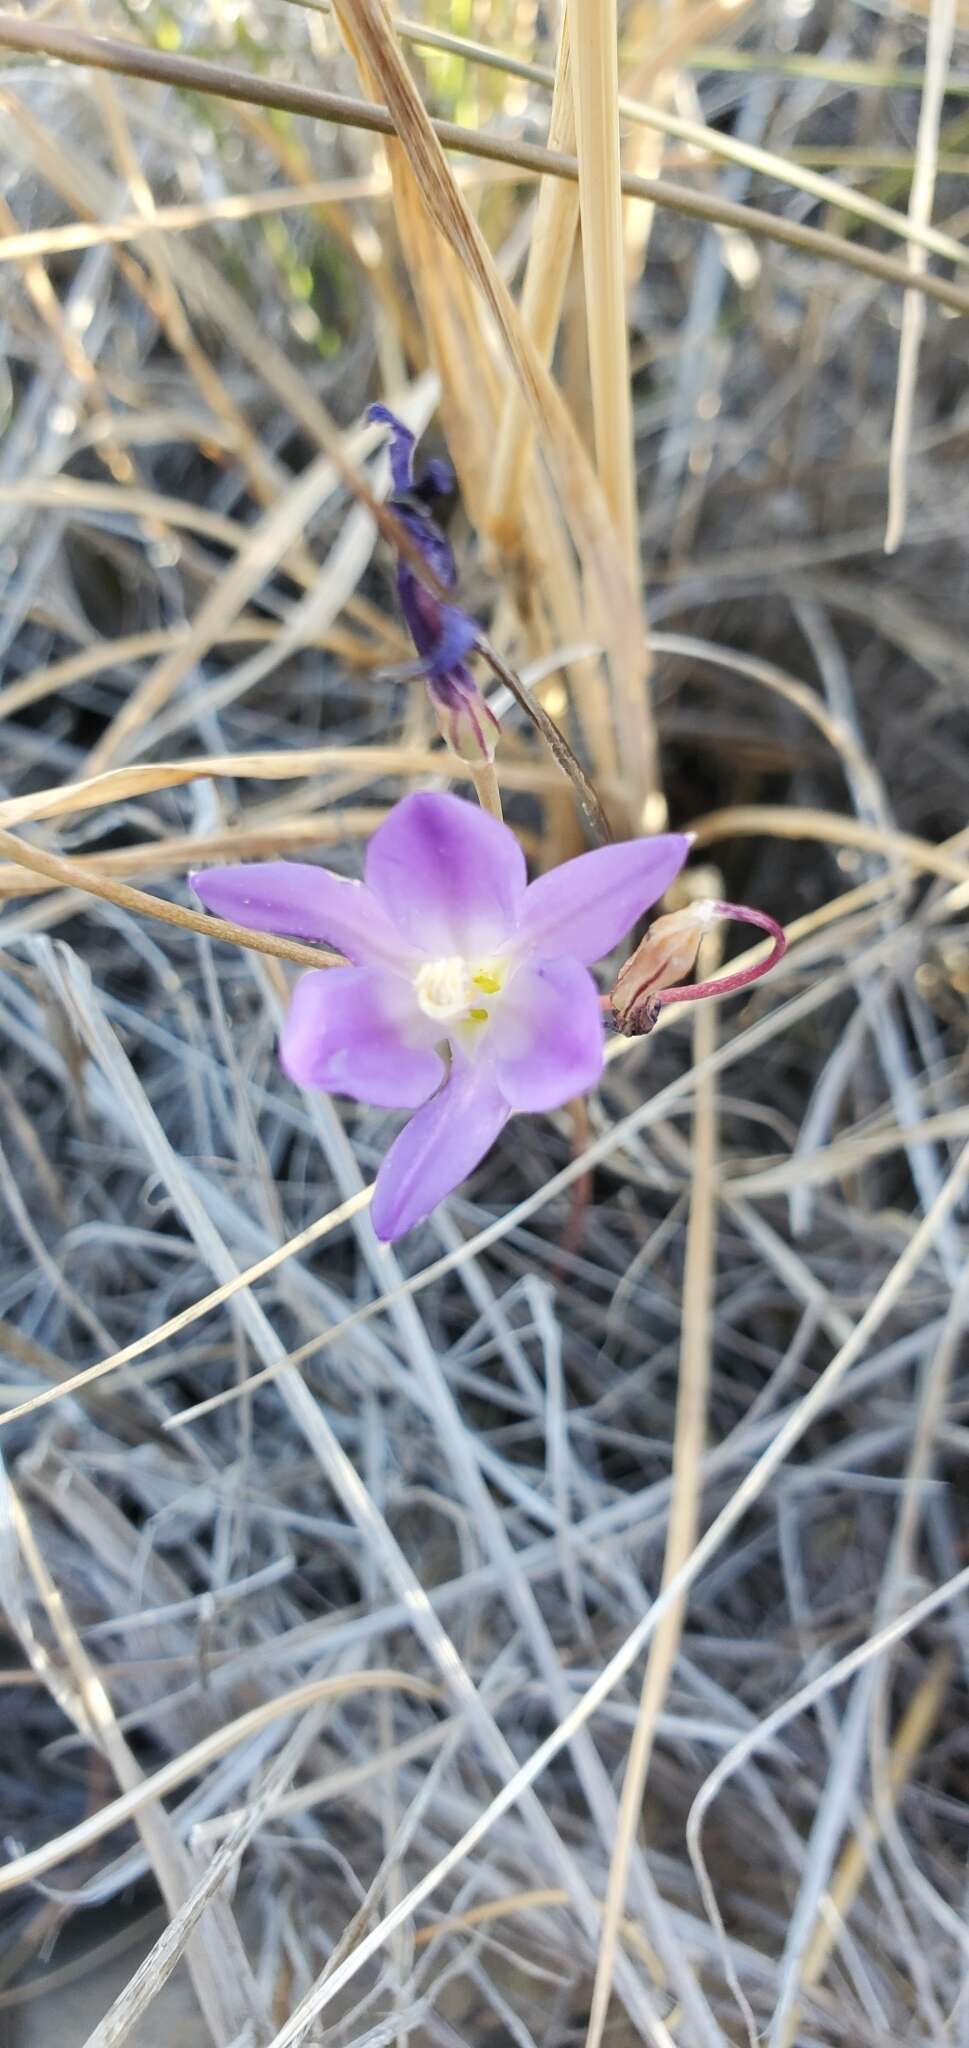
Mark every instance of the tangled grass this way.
pixel 552 1629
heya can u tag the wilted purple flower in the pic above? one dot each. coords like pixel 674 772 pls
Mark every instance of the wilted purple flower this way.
pixel 469 995
pixel 442 633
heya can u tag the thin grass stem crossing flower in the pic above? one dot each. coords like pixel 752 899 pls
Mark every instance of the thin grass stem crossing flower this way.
pixel 468 995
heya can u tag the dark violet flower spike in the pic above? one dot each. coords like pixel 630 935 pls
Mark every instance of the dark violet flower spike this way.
pixel 443 634
pixel 468 994
pixel 654 975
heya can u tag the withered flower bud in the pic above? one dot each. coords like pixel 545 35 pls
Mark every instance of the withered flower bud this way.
pixel 443 634
pixel 663 958
pixel 653 976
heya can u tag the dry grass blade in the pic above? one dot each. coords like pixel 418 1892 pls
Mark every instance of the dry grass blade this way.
pixel 914 1732
pixel 257 558
pixel 259 554
pixel 774 820
pixel 133 60
pixel 540 307
pixel 117 785
pixel 26 1869
pixel 595 86
pixel 72 874
pixel 913 1617
pixel 153 1973
pixel 555 741
pixel 942 22
pixel 91 661
pixel 696 1343
pixel 612 599
pixel 226 1988
pixel 302 1242
pixel 786 169
pixel 71 797
pixel 642 1451
pixel 806 1697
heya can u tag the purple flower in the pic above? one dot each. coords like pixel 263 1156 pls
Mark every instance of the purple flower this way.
pixel 442 634
pixel 468 996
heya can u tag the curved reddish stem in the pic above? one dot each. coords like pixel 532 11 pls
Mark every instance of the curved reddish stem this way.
pixel 725 984
pixel 689 992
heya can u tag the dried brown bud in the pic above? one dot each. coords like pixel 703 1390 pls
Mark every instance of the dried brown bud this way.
pixel 663 959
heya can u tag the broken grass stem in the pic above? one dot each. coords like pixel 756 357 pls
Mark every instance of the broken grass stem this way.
pixel 554 738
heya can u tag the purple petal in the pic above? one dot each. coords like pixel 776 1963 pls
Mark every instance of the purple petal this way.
pixel 437 477
pixel 546 1043
pixel 427 536
pixel 402 443
pixel 437 1150
pixel 304 902
pixel 358 1031
pixel 442 633
pixel 584 907
pixel 450 878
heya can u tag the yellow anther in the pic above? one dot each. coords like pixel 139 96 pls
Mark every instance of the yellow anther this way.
pixel 487 980
pixel 477 1016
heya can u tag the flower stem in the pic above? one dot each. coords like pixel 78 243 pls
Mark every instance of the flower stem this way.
pixel 486 784
pixel 723 984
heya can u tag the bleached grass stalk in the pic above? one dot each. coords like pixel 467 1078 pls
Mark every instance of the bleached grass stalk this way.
pixel 503 159
pixel 839 1792
pixel 74 989
pixel 166 1953
pixel 72 47
pixel 76 876
pixel 699 1285
pixel 229 207
pixel 166 302
pixel 828 826
pixel 543 291
pixel 595 81
pixel 257 559
pixel 315 2002
pixel 143 1792
pixel 914 1732
pixel 783 169
pixel 856 1660
pixel 224 1983
pixel 942 21
pixel 130 647
pixel 77 363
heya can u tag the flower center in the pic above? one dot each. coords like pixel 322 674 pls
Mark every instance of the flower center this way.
pixel 447 989
pixel 444 987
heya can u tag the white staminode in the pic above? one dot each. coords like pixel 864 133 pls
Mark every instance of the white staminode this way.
pixel 444 988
